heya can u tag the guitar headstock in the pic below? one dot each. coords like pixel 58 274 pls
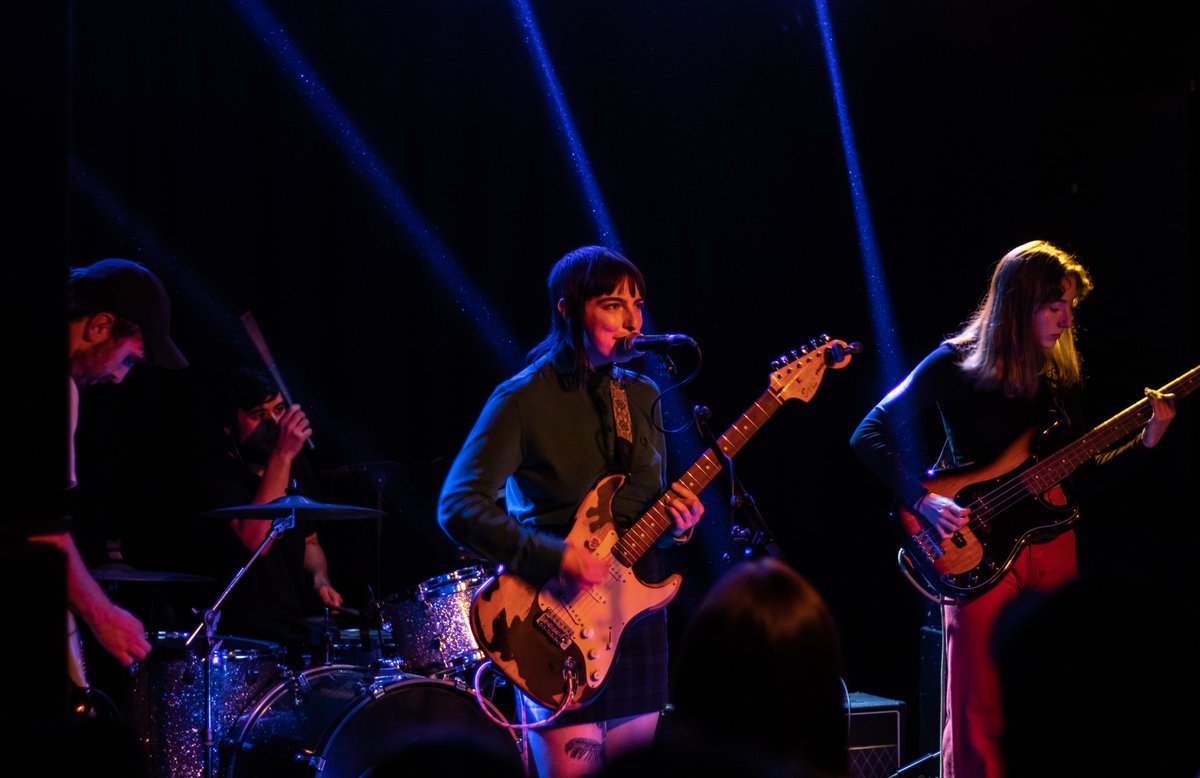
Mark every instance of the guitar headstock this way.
pixel 797 374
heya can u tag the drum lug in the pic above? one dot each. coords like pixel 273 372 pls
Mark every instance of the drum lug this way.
pixel 307 758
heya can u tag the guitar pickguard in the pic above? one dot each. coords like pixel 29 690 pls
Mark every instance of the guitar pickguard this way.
pixel 1006 516
pixel 537 637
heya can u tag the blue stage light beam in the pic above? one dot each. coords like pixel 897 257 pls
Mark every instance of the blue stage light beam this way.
pixel 911 443
pixel 884 320
pixel 151 250
pixel 184 283
pixel 302 76
pixel 584 177
pixel 684 448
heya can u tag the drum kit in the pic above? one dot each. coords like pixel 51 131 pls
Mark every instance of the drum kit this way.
pixel 205 704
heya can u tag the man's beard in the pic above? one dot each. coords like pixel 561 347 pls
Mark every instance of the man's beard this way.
pixel 87 365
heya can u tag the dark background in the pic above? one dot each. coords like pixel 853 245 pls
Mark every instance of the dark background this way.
pixel 180 140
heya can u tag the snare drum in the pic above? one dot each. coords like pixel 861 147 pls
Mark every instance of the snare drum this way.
pixel 431 624
pixel 167 696
pixel 338 721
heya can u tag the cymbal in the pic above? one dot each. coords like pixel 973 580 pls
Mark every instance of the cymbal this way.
pixel 119 571
pixel 387 466
pixel 381 466
pixel 303 507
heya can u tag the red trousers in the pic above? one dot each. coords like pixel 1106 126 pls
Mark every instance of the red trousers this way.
pixel 974 721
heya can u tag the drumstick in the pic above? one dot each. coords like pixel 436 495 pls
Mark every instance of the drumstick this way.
pixel 260 343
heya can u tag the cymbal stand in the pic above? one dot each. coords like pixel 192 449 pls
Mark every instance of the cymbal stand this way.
pixel 379 478
pixel 208 626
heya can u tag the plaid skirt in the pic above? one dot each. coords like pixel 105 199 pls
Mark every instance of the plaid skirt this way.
pixel 637 681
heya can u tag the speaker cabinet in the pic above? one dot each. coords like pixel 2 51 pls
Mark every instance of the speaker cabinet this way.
pixel 876 734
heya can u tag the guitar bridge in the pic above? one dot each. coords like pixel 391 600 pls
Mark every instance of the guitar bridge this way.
pixel 554 628
pixel 927 545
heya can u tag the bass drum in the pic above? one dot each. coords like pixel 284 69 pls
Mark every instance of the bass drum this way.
pixel 339 721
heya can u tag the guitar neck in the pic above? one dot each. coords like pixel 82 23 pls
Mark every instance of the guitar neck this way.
pixel 638 539
pixel 1054 469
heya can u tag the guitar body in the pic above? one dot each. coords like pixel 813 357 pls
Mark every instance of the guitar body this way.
pixel 540 637
pixel 558 643
pixel 1006 515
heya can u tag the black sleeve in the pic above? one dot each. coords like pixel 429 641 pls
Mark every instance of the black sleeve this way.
pixel 876 440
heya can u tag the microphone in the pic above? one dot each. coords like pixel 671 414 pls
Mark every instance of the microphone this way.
pixel 637 345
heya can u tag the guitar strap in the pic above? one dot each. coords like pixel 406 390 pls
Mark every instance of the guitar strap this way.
pixel 623 423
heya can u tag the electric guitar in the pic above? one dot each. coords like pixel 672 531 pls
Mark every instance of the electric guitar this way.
pixel 1014 500
pixel 558 644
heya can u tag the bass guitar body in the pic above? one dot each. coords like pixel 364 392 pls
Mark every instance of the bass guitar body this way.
pixel 1007 514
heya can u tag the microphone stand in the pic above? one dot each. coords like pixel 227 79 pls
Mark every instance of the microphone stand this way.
pixel 209 625
pixel 752 538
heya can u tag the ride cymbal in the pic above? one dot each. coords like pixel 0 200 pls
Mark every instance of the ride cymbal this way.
pixel 119 571
pixel 296 504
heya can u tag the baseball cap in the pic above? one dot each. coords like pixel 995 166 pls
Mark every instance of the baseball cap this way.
pixel 131 291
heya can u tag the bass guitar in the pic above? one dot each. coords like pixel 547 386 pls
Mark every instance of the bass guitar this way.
pixel 557 644
pixel 1014 500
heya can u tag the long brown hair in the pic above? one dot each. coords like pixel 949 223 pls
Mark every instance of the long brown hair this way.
pixel 998 341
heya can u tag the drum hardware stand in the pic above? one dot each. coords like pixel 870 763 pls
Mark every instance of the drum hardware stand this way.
pixel 752 537
pixel 209 626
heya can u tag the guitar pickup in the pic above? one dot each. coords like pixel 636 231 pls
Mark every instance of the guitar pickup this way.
pixel 554 628
pixel 958 540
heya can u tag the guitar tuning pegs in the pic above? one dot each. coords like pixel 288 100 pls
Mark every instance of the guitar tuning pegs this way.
pixel 775 364
pixel 824 337
pixel 796 354
pixel 803 350
pixel 784 359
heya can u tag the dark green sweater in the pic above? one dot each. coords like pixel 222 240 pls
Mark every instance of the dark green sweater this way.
pixel 546 442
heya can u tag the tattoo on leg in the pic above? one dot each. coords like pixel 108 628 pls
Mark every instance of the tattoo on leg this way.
pixel 584 749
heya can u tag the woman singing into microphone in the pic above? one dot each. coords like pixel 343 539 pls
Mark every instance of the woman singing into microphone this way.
pixel 547 435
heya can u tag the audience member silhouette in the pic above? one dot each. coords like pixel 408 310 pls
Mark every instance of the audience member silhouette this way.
pixel 759 672
pixel 1088 675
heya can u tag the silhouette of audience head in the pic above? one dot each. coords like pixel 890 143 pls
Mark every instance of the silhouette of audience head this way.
pixel 1089 674
pixel 759 668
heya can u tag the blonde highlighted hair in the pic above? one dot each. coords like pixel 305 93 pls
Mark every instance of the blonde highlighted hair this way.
pixel 998 342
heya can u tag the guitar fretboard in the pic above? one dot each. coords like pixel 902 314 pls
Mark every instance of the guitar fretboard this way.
pixel 1054 468
pixel 638 539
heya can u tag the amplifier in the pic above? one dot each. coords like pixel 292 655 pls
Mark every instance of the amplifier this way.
pixel 876 735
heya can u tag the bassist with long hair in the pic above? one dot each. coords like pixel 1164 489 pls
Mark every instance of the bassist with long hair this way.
pixel 996 382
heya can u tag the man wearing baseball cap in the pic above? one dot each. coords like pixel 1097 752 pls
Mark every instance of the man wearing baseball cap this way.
pixel 118 315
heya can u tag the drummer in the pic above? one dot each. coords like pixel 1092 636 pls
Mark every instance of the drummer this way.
pixel 259 457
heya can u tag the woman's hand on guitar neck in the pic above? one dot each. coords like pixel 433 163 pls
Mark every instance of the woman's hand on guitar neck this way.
pixel 1163 406
pixel 685 510
pixel 942 513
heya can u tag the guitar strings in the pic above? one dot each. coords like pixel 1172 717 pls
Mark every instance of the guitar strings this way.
pixel 1017 489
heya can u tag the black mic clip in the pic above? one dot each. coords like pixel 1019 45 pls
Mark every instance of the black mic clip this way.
pixel 838 351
